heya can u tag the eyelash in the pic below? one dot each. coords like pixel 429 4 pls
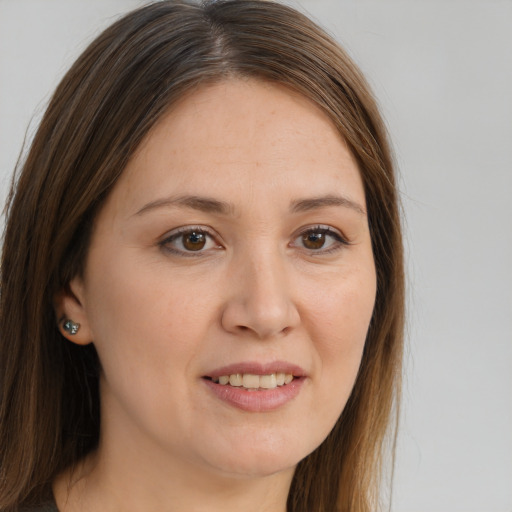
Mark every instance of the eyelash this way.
pixel 176 234
pixel 339 240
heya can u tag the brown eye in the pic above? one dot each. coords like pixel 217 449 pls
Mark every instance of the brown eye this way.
pixel 190 242
pixel 320 240
pixel 193 241
pixel 313 240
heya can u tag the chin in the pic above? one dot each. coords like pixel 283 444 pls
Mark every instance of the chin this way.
pixel 262 457
pixel 258 467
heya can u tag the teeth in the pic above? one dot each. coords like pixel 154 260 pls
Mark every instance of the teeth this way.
pixel 251 381
pixel 268 381
pixel 236 379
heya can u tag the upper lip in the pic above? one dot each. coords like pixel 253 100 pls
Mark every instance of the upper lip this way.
pixel 257 368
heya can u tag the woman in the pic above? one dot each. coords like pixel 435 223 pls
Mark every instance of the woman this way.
pixel 202 286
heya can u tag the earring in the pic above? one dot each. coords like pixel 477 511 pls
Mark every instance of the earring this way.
pixel 70 327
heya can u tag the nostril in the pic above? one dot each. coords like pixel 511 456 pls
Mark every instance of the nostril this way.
pixel 253 314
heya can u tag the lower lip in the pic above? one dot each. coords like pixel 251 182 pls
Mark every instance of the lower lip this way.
pixel 256 401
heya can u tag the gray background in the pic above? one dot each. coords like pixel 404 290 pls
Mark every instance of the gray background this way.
pixel 442 71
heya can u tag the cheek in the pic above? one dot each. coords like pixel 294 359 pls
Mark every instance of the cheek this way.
pixel 149 330
pixel 339 324
pixel 341 311
pixel 143 321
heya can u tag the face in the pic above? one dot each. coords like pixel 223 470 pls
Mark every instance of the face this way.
pixel 229 284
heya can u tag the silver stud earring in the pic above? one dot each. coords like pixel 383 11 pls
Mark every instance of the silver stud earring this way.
pixel 70 327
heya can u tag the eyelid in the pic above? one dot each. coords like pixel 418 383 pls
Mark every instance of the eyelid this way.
pixel 174 234
pixel 340 239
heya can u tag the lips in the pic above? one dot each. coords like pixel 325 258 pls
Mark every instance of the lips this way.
pixel 251 381
pixel 256 387
pixel 255 368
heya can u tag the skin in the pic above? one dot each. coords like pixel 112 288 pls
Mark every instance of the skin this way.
pixel 162 317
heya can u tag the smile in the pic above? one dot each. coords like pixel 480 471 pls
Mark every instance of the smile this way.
pixel 253 382
pixel 256 387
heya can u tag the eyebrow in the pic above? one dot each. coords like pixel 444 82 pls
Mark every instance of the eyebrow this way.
pixel 304 205
pixel 204 204
pixel 210 205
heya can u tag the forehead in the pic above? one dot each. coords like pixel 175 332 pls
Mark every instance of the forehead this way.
pixel 243 134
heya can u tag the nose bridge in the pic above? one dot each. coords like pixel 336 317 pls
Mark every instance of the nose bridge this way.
pixel 261 301
pixel 265 281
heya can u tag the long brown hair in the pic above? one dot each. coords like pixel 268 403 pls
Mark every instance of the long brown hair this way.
pixel 101 111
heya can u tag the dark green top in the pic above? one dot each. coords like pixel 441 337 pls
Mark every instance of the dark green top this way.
pixel 45 507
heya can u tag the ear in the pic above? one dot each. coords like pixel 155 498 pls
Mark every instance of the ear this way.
pixel 69 304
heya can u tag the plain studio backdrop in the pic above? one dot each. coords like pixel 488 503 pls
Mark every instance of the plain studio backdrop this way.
pixel 442 71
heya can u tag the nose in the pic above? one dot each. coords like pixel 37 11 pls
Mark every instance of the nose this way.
pixel 260 299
